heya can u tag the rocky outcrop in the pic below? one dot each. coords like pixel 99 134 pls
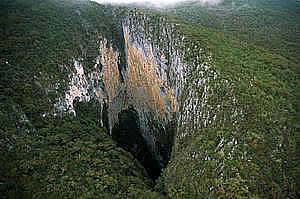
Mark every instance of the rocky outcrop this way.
pixel 166 89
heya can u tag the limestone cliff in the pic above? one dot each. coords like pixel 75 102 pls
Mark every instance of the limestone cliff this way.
pixel 79 80
pixel 155 81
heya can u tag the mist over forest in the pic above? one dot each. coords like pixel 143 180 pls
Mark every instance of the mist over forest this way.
pixel 158 3
pixel 112 99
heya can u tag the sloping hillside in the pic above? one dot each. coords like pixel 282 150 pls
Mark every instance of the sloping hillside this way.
pixel 272 24
pixel 99 101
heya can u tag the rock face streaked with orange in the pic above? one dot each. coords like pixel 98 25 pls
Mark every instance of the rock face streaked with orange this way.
pixel 147 73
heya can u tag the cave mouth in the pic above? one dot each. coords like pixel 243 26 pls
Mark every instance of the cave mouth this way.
pixel 128 136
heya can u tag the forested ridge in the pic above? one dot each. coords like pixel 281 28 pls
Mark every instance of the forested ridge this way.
pixel 249 147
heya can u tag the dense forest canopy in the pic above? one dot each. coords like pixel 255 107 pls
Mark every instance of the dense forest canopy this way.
pixel 236 132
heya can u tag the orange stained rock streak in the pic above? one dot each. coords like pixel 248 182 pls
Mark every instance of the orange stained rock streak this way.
pixel 110 71
pixel 171 99
pixel 142 82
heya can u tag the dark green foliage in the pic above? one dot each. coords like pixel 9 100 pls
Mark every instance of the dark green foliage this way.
pixel 38 42
pixel 71 158
pixel 272 24
pixel 247 154
pixel 252 154
pixel 43 156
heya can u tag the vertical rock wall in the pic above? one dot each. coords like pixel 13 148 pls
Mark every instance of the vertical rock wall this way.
pixel 167 80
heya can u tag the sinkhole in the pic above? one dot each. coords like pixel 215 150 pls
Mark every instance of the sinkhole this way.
pixel 128 135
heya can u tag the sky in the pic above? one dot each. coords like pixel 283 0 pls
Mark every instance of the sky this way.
pixel 160 3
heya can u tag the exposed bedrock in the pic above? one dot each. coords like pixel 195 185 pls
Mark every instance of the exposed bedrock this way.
pixel 139 86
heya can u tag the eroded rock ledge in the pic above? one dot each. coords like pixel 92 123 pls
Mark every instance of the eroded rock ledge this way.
pixel 149 82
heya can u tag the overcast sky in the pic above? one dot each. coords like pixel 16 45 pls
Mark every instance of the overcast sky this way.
pixel 159 3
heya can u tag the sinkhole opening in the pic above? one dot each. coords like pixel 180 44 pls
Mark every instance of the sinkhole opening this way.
pixel 128 135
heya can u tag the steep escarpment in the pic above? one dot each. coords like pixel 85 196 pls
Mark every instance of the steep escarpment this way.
pixel 203 114
pixel 154 82
pixel 236 141
pixel 58 96
pixel 149 81
pixel 82 66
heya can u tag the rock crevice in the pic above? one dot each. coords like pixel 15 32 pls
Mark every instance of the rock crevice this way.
pixel 151 79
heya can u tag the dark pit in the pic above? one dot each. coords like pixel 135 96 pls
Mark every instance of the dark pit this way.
pixel 128 135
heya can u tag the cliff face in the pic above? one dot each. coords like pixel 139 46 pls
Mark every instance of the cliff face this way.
pixel 155 81
pixel 183 101
pixel 214 112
